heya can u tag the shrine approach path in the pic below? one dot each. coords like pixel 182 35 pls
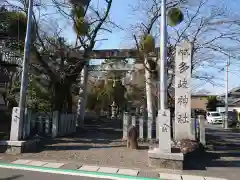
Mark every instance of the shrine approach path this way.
pixel 99 143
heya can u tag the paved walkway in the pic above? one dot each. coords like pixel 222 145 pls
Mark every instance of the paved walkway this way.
pixel 108 172
pixel 101 148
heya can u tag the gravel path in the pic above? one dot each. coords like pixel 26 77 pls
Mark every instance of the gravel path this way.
pixel 96 145
pixel 101 145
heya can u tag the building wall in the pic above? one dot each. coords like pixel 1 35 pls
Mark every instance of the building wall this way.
pixel 199 102
pixel 222 109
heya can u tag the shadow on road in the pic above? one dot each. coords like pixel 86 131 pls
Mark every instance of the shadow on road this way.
pixel 223 159
pixel 225 147
pixel 12 177
pixel 223 150
pixel 71 147
pixel 104 134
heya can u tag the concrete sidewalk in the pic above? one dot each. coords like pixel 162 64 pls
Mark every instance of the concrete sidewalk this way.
pixel 96 151
pixel 15 174
pixel 29 164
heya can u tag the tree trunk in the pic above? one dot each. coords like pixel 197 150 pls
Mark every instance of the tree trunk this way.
pixel 69 99
pixel 62 97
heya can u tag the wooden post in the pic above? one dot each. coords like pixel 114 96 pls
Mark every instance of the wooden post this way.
pixel 201 120
pixel 55 123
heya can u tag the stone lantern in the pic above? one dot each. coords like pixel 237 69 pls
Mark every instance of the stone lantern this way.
pixel 114 110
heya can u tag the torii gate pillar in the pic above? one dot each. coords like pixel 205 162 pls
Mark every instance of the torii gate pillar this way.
pixel 82 97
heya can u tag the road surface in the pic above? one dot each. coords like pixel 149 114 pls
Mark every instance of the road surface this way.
pixel 12 174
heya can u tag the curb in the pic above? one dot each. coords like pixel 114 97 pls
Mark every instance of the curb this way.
pixel 94 171
pixel 73 172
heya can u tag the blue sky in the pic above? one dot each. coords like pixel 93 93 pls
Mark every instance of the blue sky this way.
pixel 123 15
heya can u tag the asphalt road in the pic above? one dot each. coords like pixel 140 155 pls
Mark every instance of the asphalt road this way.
pixel 12 174
pixel 228 138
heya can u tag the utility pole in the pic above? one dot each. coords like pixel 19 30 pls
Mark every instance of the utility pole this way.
pixel 25 67
pixel 226 95
pixel 163 58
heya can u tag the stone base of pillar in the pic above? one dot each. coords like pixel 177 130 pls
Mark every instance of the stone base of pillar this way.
pixel 159 159
pixel 18 147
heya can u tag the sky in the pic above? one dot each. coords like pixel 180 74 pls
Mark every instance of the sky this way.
pixel 123 14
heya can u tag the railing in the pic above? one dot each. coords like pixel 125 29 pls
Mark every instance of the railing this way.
pixel 147 129
pixel 55 124
pixel 48 124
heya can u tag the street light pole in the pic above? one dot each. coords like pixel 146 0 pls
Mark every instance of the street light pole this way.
pixel 163 57
pixel 25 67
pixel 226 96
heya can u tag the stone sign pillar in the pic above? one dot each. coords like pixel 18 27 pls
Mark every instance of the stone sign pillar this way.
pixel 16 126
pixel 183 91
pixel 162 157
pixel 164 131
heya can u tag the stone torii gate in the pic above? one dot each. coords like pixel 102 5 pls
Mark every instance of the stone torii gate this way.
pixel 116 66
pixel 102 54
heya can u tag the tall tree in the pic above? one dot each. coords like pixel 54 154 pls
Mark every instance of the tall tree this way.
pixel 11 43
pixel 87 22
pixel 208 31
pixel 144 38
pixel 212 103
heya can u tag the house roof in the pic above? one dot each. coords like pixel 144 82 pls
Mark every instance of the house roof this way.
pixel 202 92
pixel 234 101
pixel 235 91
